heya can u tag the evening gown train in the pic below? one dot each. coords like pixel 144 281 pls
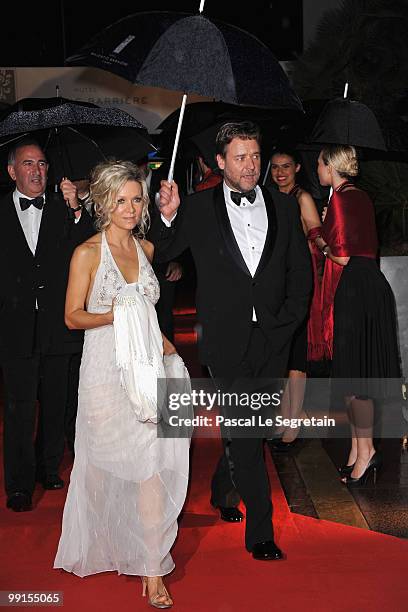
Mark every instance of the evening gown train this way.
pixel 127 485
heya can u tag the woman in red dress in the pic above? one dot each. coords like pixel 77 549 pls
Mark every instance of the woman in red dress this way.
pixel 358 307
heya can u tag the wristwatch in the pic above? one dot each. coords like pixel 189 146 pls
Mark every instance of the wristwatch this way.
pixel 325 250
pixel 78 208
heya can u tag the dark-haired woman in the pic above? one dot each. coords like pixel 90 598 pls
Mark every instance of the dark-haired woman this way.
pixel 307 342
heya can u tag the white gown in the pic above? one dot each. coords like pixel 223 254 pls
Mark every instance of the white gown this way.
pixel 127 486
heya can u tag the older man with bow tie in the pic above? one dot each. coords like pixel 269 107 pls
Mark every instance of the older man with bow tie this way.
pixel 40 231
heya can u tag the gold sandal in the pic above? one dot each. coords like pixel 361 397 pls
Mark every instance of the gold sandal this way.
pixel 153 601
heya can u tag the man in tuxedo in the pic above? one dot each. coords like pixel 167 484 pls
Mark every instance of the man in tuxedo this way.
pixel 40 232
pixel 253 286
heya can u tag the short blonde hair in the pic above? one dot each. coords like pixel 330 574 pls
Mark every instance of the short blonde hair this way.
pixel 107 179
pixel 343 158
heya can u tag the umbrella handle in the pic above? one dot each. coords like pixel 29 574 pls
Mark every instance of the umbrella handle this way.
pixel 176 140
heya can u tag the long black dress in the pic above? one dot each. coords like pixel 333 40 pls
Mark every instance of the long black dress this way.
pixel 365 341
pixel 365 334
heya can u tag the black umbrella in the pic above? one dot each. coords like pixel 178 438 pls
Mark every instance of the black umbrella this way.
pixel 202 121
pixel 192 54
pixel 348 122
pixel 75 135
pixel 200 116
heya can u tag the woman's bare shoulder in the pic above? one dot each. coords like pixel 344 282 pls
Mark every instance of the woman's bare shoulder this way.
pixel 90 249
pixel 306 200
pixel 304 196
pixel 148 248
pixel 96 239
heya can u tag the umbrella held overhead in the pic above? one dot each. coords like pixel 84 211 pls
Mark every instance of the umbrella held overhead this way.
pixel 75 135
pixel 191 54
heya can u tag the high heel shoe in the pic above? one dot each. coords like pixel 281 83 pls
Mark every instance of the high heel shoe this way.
pixel 345 470
pixel 153 600
pixel 280 445
pixel 372 468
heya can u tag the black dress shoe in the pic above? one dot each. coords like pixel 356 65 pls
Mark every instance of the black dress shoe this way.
pixel 19 502
pixel 230 515
pixel 280 446
pixel 52 483
pixel 266 551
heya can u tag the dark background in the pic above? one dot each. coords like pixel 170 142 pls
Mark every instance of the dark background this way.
pixel 46 33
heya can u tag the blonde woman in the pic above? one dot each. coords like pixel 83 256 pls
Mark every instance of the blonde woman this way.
pixel 127 485
pixel 358 307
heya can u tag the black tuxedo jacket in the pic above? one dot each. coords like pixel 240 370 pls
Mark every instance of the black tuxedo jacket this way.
pixel 42 278
pixel 226 292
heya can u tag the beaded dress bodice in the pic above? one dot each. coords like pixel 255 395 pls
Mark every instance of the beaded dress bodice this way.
pixel 109 281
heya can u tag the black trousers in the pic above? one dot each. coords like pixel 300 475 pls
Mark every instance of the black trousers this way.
pixel 241 470
pixel 42 377
pixel 164 306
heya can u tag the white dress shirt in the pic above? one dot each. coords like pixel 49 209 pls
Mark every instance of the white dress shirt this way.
pixel 30 220
pixel 249 222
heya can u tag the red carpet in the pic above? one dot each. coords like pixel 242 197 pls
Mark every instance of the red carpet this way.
pixel 329 567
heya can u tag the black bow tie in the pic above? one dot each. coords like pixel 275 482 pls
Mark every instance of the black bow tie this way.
pixel 38 202
pixel 237 195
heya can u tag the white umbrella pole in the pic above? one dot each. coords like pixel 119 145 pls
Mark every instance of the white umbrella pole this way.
pixel 266 172
pixel 176 141
pixel 346 87
pixel 180 121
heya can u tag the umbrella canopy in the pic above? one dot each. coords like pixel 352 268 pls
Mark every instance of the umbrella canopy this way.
pixel 202 115
pixel 348 122
pixel 192 54
pixel 75 135
pixel 35 104
pixel 20 118
pixel 202 121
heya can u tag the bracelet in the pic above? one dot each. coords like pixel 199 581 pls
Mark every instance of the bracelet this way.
pixel 325 250
pixel 314 233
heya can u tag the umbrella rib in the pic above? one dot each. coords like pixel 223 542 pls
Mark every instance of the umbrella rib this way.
pixel 6 142
pixel 89 139
pixel 48 139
